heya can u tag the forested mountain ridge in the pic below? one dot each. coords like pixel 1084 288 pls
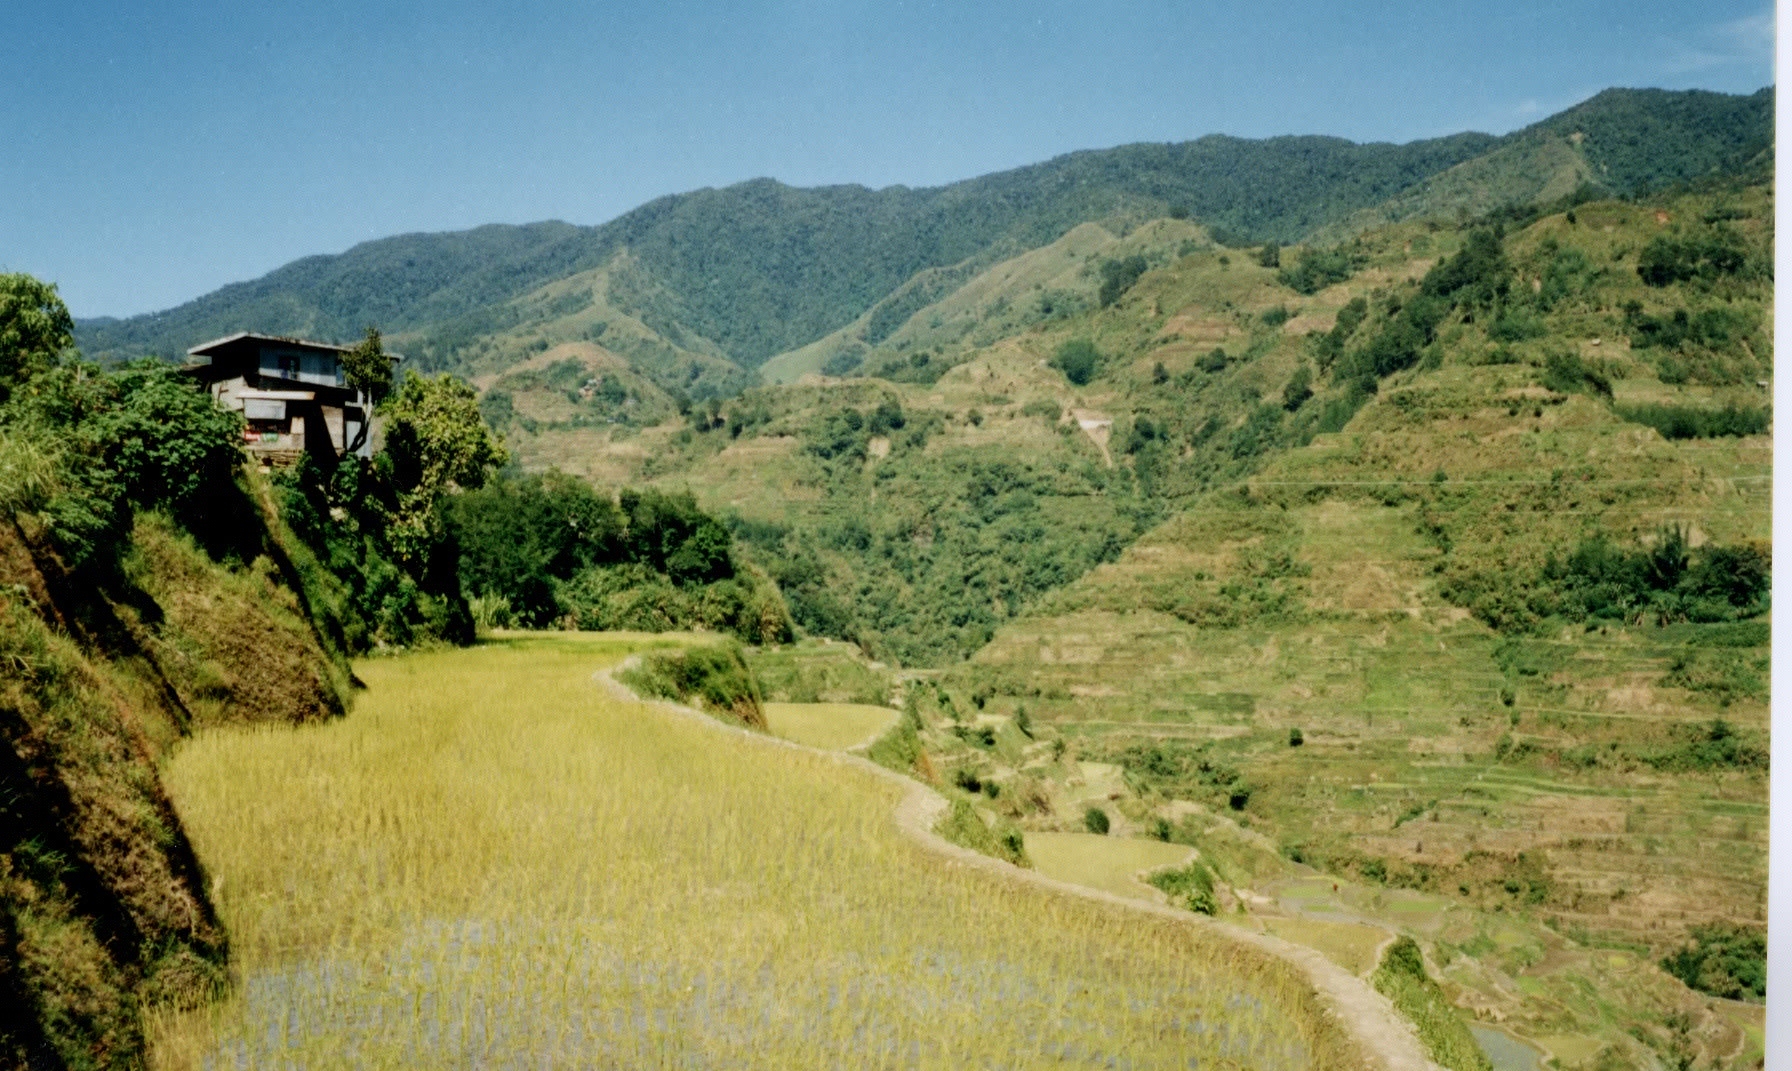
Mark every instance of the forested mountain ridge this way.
pixel 760 268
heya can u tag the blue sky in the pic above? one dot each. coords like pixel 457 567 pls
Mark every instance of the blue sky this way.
pixel 156 152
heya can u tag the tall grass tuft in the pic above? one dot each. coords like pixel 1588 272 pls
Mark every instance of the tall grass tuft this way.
pixel 1402 979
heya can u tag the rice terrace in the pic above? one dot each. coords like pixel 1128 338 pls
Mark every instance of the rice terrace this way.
pixel 1274 602
pixel 526 868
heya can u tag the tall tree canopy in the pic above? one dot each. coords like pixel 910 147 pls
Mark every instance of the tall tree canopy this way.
pixel 35 327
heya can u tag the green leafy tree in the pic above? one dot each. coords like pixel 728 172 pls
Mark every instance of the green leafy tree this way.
pixel 1725 960
pixel 1478 276
pixel 671 535
pixel 35 327
pixel 518 539
pixel 144 437
pixel 164 439
pixel 1298 390
pixel 1117 277
pixel 1077 359
pixel 368 367
pixel 1317 270
pixel 436 443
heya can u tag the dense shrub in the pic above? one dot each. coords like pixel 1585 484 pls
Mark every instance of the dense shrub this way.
pixel 1328 347
pixel 1714 328
pixel 714 676
pixel 900 749
pixel 1711 747
pixel 1402 979
pixel 549 550
pixel 1725 960
pixel 1567 276
pixel 1117 277
pixel 1183 771
pixel 518 538
pixel 340 511
pixel 842 363
pixel 1478 277
pixel 1298 389
pixel 1565 373
pixel 1077 359
pixel 1665 581
pixel 142 438
pixel 669 534
pixel 633 597
pixel 1318 269
pixel 1669 259
pixel 1191 884
pixel 963 826
pixel 1697 422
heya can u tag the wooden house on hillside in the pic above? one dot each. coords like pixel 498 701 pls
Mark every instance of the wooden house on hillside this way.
pixel 292 393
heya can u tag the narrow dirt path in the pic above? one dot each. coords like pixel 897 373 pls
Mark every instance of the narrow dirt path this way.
pixel 1387 1041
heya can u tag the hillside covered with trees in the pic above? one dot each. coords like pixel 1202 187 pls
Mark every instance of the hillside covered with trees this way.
pixel 744 273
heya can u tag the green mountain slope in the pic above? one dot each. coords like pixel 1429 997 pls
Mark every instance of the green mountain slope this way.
pixel 1480 522
pixel 399 283
pixel 1640 139
pixel 1465 655
pixel 950 311
pixel 1416 580
pixel 1622 141
pixel 759 268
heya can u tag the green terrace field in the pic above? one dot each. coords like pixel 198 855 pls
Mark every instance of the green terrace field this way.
pixel 496 860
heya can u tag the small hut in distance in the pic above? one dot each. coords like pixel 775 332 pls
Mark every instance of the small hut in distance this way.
pixel 292 393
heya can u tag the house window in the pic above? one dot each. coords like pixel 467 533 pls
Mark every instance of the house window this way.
pixel 265 431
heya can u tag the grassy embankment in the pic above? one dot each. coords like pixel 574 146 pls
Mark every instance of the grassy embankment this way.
pixel 103 908
pixel 495 861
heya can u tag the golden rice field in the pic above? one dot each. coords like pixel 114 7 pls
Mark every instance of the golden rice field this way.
pixel 829 726
pixel 493 862
pixel 1111 864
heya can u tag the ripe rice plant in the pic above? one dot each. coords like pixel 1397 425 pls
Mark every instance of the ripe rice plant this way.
pixel 493 861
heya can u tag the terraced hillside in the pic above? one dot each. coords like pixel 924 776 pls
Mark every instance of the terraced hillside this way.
pixel 1497 587
pixel 1386 652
